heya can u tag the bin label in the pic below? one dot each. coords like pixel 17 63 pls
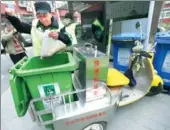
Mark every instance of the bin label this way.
pixel 166 63
pixel 123 56
pixel 47 90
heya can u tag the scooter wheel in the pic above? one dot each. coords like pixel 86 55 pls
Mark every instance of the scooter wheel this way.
pixel 96 126
pixel 155 90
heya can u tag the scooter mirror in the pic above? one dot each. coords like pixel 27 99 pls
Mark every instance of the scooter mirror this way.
pixel 138 25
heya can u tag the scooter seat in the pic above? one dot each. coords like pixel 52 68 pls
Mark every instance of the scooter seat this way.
pixel 116 78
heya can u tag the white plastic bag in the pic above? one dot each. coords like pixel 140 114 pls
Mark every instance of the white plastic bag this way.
pixel 50 46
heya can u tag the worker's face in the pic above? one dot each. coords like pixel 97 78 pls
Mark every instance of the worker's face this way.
pixel 45 18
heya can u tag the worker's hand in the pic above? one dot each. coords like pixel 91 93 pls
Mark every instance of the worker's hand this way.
pixel 53 35
pixel 14 31
pixel 9 12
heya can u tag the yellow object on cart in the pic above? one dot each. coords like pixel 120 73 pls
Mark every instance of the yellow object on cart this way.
pixel 116 78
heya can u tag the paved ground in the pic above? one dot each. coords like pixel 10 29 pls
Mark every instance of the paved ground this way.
pixel 150 113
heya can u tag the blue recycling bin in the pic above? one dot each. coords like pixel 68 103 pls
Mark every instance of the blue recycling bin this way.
pixel 161 60
pixel 122 49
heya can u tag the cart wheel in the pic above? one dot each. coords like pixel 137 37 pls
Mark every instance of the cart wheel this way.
pixel 155 90
pixel 96 126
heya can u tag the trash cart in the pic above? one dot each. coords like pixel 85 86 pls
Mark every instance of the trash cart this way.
pixel 162 57
pixel 122 48
pixel 37 78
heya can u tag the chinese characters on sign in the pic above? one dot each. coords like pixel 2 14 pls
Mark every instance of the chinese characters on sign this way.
pixel 96 74
pixel 86 118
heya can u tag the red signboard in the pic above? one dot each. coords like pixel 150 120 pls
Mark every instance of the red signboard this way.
pixel 96 74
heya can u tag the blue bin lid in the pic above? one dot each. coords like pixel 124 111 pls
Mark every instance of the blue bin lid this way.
pixel 162 38
pixel 128 37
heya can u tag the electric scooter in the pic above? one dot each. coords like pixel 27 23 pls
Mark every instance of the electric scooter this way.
pixel 143 79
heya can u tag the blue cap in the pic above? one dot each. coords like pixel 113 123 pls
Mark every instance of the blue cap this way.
pixel 42 7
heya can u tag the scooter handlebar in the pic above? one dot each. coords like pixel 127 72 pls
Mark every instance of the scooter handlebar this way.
pixel 145 54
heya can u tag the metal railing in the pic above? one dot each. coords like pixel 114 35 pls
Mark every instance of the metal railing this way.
pixel 52 99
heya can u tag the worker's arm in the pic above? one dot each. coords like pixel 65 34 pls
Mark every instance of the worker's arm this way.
pixel 64 37
pixel 21 27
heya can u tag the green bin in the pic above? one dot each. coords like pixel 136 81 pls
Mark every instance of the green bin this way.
pixel 31 77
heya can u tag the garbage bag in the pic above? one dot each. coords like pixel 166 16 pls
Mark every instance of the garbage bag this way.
pixel 50 46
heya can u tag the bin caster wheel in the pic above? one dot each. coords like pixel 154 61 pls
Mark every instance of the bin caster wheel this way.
pixel 96 126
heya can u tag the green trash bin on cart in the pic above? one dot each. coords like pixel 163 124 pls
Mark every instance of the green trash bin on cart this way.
pixel 34 77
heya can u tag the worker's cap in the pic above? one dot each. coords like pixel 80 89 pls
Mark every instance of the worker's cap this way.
pixel 42 7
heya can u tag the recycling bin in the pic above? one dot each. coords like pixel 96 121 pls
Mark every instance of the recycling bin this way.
pixel 161 60
pixel 36 78
pixel 122 49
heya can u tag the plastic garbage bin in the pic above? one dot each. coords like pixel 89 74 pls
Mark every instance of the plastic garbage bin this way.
pixel 34 77
pixel 162 56
pixel 122 48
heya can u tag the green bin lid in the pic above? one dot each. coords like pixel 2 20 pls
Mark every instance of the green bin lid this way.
pixel 60 62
